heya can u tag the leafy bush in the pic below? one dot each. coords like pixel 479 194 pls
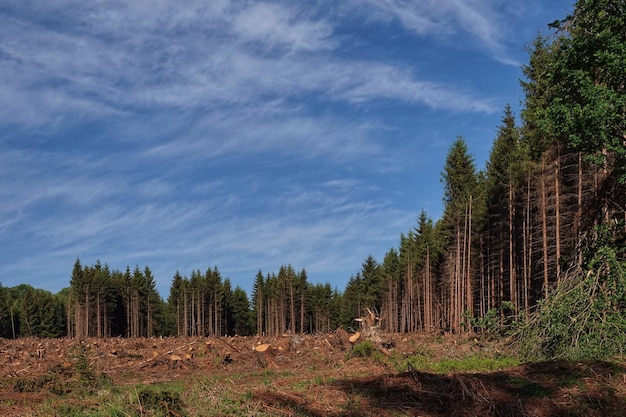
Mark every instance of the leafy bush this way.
pixel 585 317
pixel 363 349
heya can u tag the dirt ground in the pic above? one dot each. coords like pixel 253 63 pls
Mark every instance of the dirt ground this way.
pixel 318 376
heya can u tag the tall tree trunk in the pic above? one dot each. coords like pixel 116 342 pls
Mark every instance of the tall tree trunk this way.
pixel 429 296
pixel 98 316
pixel 302 310
pixel 557 215
pixel 527 255
pixel 468 287
pixel 185 315
pixel 149 329
pixel 127 302
pixel 292 308
pixel 512 266
pixel 68 312
pixel 87 312
pixel 579 212
pixel 544 230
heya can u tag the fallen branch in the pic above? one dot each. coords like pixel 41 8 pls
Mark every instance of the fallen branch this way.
pixel 227 344
pixel 140 364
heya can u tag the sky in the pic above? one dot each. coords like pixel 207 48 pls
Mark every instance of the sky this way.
pixel 242 135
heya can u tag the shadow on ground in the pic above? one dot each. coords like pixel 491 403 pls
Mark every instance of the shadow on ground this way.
pixel 561 388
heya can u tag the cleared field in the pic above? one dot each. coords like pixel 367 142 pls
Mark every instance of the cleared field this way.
pixel 323 375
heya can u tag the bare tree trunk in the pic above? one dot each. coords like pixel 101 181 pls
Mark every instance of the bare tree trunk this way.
pixel 579 212
pixel 292 308
pixel 149 318
pixel 557 215
pixel 178 330
pixel 501 280
pixel 528 246
pixel 185 315
pixel 68 321
pixel 468 287
pixel 259 313
pixel 87 312
pixel 302 310
pixel 457 284
pixel 427 294
pixel 544 230
pixel 512 266
pixel 98 317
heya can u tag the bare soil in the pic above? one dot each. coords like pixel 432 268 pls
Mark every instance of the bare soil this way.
pixel 315 376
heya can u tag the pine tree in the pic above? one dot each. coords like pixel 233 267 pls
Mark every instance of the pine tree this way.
pixel 175 303
pixel 258 302
pixel 503 181
pixel 460 184
pixel 240 313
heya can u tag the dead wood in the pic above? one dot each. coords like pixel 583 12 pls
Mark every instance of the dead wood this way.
pixel 140 364
pixel 265 355
pixel 262 347
pixel 354 337
pixel 227 344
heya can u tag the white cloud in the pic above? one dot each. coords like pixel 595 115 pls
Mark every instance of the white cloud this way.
pixel 157 132
pixel 124 57
pixel 274 25
pixel 480 19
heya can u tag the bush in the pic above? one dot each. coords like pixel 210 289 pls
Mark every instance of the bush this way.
pixel 362 350
pixel 585 317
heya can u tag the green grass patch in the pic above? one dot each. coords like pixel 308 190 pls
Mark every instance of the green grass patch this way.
pixel 528 388
pixel 471 364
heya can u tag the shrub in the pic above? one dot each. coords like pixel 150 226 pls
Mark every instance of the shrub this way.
pixel 162 403
pixel 363 349
pixel 585 317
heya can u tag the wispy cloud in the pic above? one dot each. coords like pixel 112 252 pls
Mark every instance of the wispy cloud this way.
pixel 485 21
pixel 274 25
pixel 118 57
pixel 229 133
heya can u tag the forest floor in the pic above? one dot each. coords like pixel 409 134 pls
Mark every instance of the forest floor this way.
pixel 323 375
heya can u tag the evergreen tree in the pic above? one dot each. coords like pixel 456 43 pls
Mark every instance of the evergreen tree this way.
pixel 43 314
pixel 240 313
pixel 258 302
pixel 5 314
pixel 353 301
pixel 393 290
pixel 586 105
pixel 175 304
pixel 460 187
pixel 503 179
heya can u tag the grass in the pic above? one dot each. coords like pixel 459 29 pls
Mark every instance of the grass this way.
pixel 472 364
pixel 224 395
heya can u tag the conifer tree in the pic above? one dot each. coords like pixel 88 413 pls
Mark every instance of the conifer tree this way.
pixel 460 185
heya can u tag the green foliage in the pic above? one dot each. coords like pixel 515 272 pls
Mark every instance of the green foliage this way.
pixel 576 91
pixel 362 350
pixel 489 324
pixel 497 322
pixel 460 181
pixel 32 383
pixel 585 317
pixel 79 354
pixel 364 290
pixel 162 403
pixel 42 314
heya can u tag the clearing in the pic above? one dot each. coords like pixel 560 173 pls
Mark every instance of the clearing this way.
pixel 322 375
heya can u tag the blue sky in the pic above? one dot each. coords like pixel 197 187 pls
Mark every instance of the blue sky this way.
pixel 245 135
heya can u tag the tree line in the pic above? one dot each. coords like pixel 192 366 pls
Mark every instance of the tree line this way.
pixel 551 197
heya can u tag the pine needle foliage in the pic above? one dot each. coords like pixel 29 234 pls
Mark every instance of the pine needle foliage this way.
pixel 584 317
